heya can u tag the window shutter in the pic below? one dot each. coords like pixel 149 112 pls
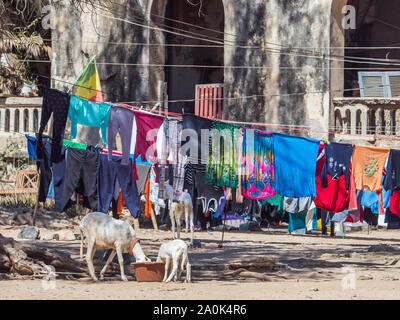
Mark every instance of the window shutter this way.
pixel 394 81
pixel 371 84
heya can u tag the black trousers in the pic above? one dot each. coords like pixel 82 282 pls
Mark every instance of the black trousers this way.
pixel 57 103
pixel 49 171
pixel 81 176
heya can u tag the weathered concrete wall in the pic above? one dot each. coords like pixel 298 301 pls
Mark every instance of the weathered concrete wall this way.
pixel 266 23
pixel 275 24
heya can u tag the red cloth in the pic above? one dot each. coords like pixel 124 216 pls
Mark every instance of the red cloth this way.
pixel 395 203
pixel 147 126
pixel 335 198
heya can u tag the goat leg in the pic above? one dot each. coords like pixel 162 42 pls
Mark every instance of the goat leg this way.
pixel 109 260
pixel 118 248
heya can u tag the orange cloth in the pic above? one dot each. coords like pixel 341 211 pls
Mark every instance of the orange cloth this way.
pixel 148 202
pixel 368 164
pixel 353 205
pixel 120 203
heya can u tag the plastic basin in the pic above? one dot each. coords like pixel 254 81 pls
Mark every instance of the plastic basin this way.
pixel 149 271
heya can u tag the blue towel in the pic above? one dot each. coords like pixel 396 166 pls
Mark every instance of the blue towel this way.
pixel 295 163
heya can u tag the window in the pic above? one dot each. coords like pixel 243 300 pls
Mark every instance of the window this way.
pixel 379 84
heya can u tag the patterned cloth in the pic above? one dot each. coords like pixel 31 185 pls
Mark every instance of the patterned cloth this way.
pixel 258 173
pixel 178 160
pixel 163 166
pixel 222 165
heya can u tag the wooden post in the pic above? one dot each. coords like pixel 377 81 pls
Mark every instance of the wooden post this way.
pixel 37 202
pixel 136 224
pixel 153 219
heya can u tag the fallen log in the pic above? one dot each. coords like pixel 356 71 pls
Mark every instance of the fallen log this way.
pixel 20 258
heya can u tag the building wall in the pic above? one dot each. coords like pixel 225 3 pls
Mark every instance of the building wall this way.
pixel 270 24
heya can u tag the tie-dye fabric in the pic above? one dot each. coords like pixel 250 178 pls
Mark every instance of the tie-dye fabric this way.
pixel 258 173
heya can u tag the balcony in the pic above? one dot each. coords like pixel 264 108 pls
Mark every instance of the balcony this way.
pixel 374 119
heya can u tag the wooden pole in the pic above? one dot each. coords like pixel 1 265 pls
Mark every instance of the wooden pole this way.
pixel 136 224
pixel 153 219
pixel 37 202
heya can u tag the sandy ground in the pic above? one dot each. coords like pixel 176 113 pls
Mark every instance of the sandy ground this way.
pixel 359 266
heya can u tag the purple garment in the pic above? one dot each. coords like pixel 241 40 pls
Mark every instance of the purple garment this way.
pixel 56 102
pixel 120 119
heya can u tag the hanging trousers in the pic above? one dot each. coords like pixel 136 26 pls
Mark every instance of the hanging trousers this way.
pixel 121 120
pixel 80 175
pixel 57 103
pixel 110 172
pixel 49 171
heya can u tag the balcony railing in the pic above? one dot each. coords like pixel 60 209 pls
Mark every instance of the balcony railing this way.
pixel 369 117
pixel 20 114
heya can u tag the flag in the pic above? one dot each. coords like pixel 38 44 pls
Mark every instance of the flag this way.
pixel 88 83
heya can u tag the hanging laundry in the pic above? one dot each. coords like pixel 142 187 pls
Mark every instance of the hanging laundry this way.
pixel 392 177
pixel 143 172
pixel 80 171
pixel 276 200
pixel 239 196
pixel 110 172
pixel 368 164
pixel 222 166
pixel 334 197
pixel 395 202
pixel 295 161
pixel 178 160
pixel 337 162
pixel 147 208
pixel 32 146
pixel 258 173
pixel 392 219
pixel 51 172
pixel 57 103
pixel 120 120
pixel 199 128
pixel 72 144
pixel 90 114
pixel 163 144
pixel 147 127
pixel 295 205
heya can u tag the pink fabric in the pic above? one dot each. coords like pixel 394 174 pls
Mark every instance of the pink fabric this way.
pixel 147 126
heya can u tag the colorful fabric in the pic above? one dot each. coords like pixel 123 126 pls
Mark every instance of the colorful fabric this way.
pixel 88 83
pixel 222 166
pixel 276 201
pixel 90 114
pixel 295 160
pixel 335 197
pixel 178 160
pixel 72 144
pixel 258 173
pixel 368 165
pixel 239 196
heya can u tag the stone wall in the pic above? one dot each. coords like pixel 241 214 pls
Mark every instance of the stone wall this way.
pixel 270 24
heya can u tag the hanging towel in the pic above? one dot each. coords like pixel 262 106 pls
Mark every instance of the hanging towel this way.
pixel 295 160
pixel 90 114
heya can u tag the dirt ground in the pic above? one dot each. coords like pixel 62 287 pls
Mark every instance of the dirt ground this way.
pixel 358 266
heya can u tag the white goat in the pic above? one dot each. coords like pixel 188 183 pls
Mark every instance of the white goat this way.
pixel 175 252
pixel 104 232
pixel 179 211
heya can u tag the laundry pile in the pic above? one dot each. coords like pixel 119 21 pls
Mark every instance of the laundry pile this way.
pixel 233 173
